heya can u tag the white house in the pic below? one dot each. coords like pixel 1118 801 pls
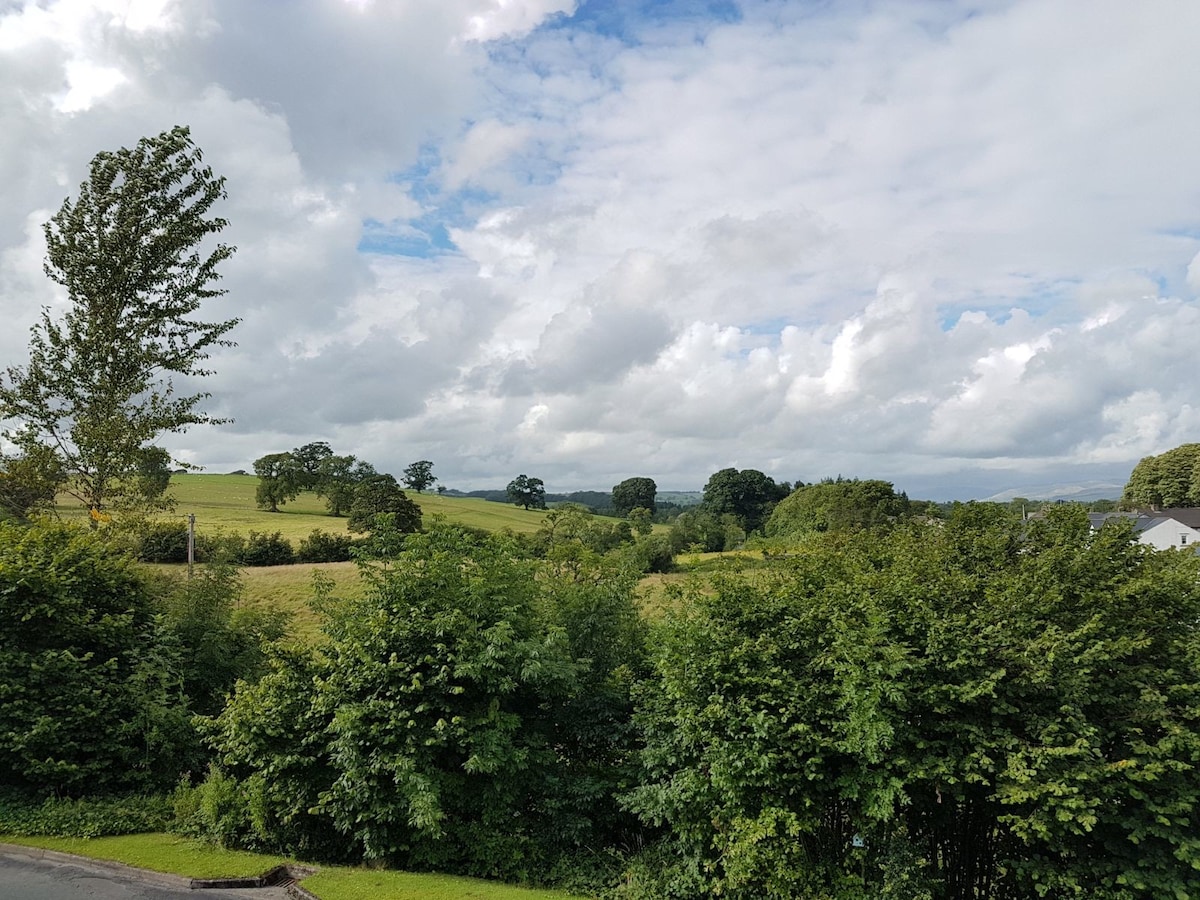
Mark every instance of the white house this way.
pixel 1160 530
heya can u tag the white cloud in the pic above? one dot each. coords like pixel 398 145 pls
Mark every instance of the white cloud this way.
pixel 912 241
pixel 507 18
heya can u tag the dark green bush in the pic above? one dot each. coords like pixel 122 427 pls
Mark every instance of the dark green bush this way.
pixel 215 810
pixel 92 817
pixel 89 700
pixel 220 547
pixel 323 546
pixel 162 542
pixel 652 553
pixel 264 549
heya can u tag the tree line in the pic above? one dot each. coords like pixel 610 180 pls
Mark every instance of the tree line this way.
pixel 350 487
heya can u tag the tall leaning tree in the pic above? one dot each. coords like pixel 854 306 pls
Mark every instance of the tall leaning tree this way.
pixel 137 255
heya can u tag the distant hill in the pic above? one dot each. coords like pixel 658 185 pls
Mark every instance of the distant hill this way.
pixel 1076 492
pixel 592 499
pixel 680 498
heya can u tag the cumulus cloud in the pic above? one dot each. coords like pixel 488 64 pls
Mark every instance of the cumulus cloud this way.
pixel 947 245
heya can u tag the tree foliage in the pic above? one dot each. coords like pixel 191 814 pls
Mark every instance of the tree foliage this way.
pixel 133 253
pixel 378 495
pixel 419 475
pixel 1171 479
pixel 748 495
pixel 88 697
pixel 701 530
pixel 338 478
pixel 527 492
pixel 634 493
pixel 280 479
pixel 311 459
pixel 834 505
pixel 29 482
pixel 953 711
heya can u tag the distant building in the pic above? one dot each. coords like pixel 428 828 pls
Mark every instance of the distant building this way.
pixel 1162 529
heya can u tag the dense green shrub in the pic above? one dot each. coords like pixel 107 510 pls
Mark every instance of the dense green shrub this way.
pixel 89 702
pixel 220 547
pixel 162 542
pixel 464 715
pixel 652 553
pixel 92 817
pixel 976 709
pixel 701 530
pixel 264 549
pixel 215 810
pixel 325 547
pixel 217 638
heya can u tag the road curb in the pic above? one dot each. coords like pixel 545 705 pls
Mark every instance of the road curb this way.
pixel 278 876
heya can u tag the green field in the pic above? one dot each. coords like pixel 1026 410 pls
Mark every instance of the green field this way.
pixel 226 503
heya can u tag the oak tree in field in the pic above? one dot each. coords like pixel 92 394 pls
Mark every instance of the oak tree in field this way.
pixel 280 479
pixel 633 493
pixel 381 495
pixel 419 475
pixel 748 495
pixel 311 457
pixel 136 256
pixel 338 478
pixel 527 492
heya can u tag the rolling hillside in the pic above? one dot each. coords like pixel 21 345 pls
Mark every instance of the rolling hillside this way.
pixel 226 503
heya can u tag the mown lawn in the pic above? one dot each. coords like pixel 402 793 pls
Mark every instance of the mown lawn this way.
pixel 176 855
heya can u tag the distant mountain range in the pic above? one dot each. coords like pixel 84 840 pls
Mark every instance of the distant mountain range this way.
pixel 1081 492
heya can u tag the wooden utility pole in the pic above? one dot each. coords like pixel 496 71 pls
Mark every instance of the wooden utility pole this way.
pixel 191 542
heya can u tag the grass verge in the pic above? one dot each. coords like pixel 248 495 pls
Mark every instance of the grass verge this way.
pixel 192 859
pixel 167 853
pixel 338 883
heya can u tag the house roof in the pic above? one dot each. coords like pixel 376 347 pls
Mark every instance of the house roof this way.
pixel 1098 519
pixel 1189 516
pixel 1143 521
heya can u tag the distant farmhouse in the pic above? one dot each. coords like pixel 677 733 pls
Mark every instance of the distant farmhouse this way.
pixel 1161 529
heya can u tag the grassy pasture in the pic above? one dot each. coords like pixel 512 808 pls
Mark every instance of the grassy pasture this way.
pixel 290 588
pixel 226 503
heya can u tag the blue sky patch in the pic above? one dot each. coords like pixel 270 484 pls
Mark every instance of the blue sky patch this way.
pixel 625 20
pixel 427 235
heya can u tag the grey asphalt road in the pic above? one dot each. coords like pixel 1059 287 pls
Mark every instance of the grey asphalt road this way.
pixel 33 879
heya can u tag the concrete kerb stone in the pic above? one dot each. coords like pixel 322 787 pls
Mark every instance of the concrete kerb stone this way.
pixel 278 876
pixel 300 893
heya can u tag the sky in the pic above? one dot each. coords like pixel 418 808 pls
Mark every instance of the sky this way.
pixel 953 245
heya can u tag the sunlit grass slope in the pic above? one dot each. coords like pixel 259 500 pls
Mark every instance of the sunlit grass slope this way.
pixel 226 503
